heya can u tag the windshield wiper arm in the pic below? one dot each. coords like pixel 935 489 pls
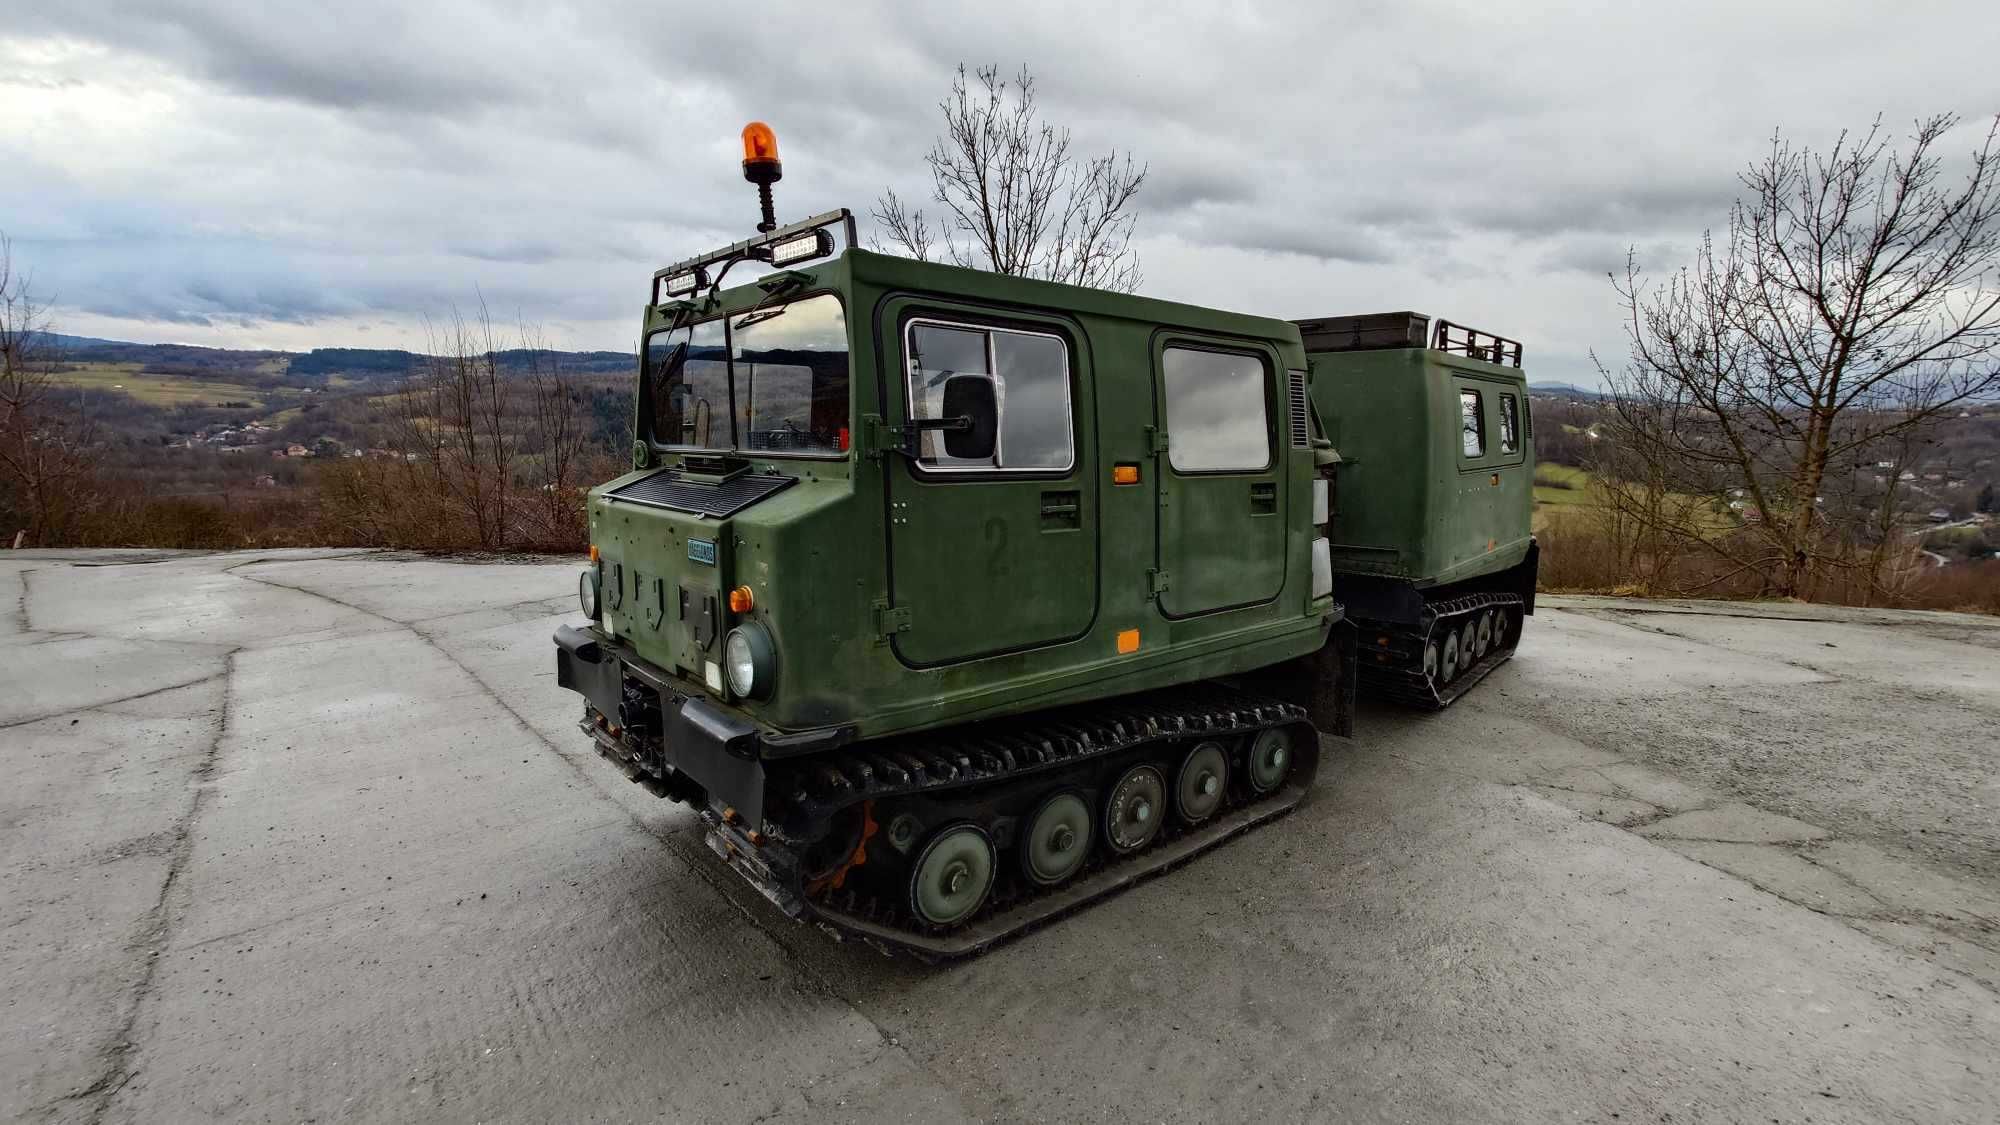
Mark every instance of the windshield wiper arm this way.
pixel 762 312
pixel 758 317
pixel 673 362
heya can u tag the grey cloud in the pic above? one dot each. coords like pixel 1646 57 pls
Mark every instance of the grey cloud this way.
pixel 342 56
pixel 376 161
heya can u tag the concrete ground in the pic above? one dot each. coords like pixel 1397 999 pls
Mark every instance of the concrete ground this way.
pixel 310 835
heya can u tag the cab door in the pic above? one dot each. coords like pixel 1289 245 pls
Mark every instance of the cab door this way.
pixel 999 554
pixel 1221 488
pixel 1495 480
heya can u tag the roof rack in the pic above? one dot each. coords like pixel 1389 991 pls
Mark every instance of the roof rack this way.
pixel 690 276
pixel 1471 343
pixel 1372 331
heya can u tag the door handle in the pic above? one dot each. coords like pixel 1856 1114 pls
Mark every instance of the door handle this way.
pixel 1264 498
pixel 1062 511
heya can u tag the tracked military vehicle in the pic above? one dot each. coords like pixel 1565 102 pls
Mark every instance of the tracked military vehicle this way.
pixel 1430 546
pixel 952 601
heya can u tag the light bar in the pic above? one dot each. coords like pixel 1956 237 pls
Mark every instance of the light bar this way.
pixel 680 285
pixel 802 248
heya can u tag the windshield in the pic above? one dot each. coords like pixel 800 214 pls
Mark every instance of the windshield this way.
pixel 771 380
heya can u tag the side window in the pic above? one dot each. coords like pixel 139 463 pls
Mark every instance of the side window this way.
pixel 1030 373
pixel 1510 425
pixel 1216 411
pixel 1471 426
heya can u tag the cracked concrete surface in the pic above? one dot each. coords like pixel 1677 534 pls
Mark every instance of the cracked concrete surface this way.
pixel 299 835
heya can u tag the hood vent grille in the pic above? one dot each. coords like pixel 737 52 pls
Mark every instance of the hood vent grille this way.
pixel 668 489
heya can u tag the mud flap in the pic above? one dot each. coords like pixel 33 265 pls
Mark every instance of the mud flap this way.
pixel 1324 682
pixel 1530 576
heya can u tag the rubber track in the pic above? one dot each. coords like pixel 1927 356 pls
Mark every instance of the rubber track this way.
pixel 997 753
pixel 1404 681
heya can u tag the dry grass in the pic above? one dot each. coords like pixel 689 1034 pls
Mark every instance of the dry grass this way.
pixel 1581 555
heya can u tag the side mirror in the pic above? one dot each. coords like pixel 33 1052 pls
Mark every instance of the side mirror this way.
pixel 970 397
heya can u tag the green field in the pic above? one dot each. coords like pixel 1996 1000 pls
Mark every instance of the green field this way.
pixel 1550 498
pixel 156 390
pixel 1577 479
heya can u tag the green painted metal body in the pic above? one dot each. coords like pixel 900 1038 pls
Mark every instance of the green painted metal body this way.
pixel 1410 504
pixel 900 601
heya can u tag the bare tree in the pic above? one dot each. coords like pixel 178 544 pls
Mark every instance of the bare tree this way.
pixel 1013 198
pixel 558 433
pixel 1852 301
pixel 451 426
pixel 47 447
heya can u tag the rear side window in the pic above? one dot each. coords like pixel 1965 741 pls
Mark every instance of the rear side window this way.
pixel 1030 373
pixel 1216 413
pixel 1472 427
pixel 1510 424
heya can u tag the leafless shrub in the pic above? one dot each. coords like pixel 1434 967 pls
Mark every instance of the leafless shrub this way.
pixel 559 444
pixel 47 440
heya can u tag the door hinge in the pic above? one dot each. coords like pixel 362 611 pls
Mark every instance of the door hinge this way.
pixel 1160 581
pixel 878 437
pixel 1156 440
pixel 890 620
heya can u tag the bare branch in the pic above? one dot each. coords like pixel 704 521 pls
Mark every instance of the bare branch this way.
pixel 1853 300
pixel 1011 196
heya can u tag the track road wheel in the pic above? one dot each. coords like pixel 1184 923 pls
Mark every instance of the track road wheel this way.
pixel 1133 812
pixel 1448 660
pixel 1270 760
pixel 1056 840
pixel 1468 643
pixel 1500 628
pixel 1198 791
pixel 952 874
pixel 1483 643
pixel 1433 661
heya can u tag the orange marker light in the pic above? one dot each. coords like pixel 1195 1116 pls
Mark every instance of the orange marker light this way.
pixel 1124 474
pixel 741 600
pixel 593 552
pixel 760 144
pixel 1128 641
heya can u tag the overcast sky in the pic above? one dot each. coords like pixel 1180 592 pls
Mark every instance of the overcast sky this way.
pixel 259 173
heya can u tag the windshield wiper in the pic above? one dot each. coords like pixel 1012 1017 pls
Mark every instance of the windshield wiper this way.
pixel 672 363
pixel 759 317
pixel 762 312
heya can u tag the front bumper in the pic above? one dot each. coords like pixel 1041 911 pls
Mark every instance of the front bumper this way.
pixel 664 730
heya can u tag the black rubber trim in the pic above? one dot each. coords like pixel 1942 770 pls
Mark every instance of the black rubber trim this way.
pixel 670 490
pixel 717 748
pixel 583 666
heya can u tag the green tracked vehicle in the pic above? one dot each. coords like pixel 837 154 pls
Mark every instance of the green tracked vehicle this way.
pixel 1430 544
pixel 952 601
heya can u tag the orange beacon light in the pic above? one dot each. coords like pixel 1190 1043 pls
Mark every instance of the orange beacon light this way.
pixel 761 167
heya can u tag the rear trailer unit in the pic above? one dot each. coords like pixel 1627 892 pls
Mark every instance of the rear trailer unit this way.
pixel 1431 547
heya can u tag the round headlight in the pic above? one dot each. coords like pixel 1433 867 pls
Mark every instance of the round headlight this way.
pixel 749 661
pixel 586 593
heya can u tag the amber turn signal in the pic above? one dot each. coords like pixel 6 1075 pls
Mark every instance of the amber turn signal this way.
pixel 593 552
pixel 741 600
pixel 1128 641
pixel 1124 474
